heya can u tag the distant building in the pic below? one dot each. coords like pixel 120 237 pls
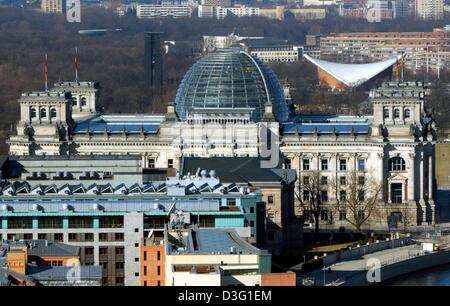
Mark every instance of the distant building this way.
pixel 53 6
pixel 45 263
pixel 320 2
pixel 207 257
pixel 304 14
pixel 211 43
pixel 364 9
pixel 274 53
pixel 430 9
pixel 283 229
pixel 161 11
pixel 426 51
pixel 239 11
pixel 107 221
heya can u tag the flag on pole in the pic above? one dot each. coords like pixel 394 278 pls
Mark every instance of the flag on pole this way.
pixel 75 61
pixel 46 72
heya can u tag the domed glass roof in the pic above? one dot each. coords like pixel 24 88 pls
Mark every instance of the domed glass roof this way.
pixel 231 78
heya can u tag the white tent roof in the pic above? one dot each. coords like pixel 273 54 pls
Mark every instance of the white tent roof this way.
pixel 353 74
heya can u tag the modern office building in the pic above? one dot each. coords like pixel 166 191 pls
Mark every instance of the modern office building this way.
pixel 207 257
pixel 422 51
pixel 283 228
pixel 108 222
pixel 163 11
pixel 236 11
pixel 430 9
pixel 53 6
pixel 270 53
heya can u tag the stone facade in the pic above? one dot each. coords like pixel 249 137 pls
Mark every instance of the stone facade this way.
pixel 395 147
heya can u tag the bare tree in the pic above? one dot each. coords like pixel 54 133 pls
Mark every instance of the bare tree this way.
pixel 357 197
pixel 311 197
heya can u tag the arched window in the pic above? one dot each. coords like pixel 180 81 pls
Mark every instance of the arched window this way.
pixel 83 101
pixel 397 164
pixel 396 113
pixel 407 113
pixel 386 113
pixel 43 113
pixel 33 113
pixel 53 113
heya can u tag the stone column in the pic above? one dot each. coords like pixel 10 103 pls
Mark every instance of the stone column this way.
pixel 421 197
pixel 389 192
pixel 411 178
pixel 383 176
pixel 430 178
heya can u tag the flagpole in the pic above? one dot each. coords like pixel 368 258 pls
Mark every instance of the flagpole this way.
pixel 46 72
pixel 76 64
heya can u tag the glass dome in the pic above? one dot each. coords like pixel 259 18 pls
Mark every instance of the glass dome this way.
pixel 231 78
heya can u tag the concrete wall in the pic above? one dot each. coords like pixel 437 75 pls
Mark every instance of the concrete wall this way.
pixel 403 267
pixel 365 249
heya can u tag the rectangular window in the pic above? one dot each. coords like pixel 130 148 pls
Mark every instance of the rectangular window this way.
pixel 361 215
pixel 396 193
pixel 103 237
pixel 145 255
pixel 342 195
pixel 324 180
pixel 305 195
pixel 342 215
pixel 343 180
pixel 119 265
pixel 306 180
pixel 145 270
pixel 361 164
pixel 305 164
pixel 324 196
pixel 343 165
pixel 170 163
pixel 231 202
pixel 42 236
pixel 81 222
pixel 361 180
pixel 88 251
pixel 119 236
pixel 324 164
pixel 158 271
pixel 73 237
pixel 252 210
pixel 252 223
pixel 50 222
pixel 324 215
pixel 103 250
pixel 287 163
pixel 151 163
pixel 361 195
pixel 119 250
pixel 119 280
pixel 270 199
pixel 89 237
pixel 58 237
pixel 20 222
